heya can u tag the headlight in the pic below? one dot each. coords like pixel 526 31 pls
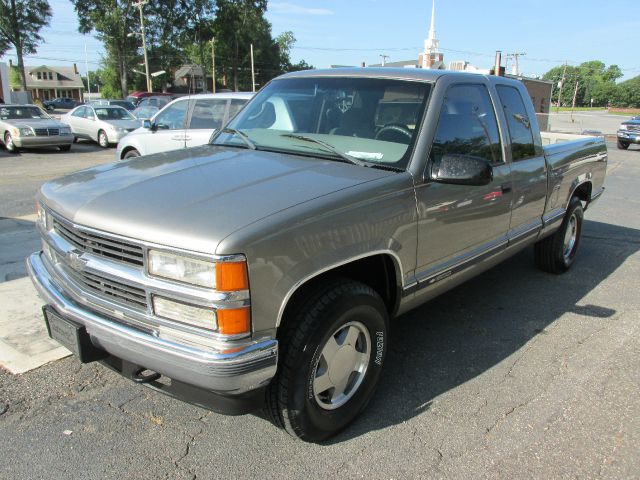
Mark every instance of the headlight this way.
pixel 26 132
pixel 623 127
pixel 182 268
pixel 65 130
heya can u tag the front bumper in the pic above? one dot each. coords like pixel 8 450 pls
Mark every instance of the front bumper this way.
pixel 44 141
pixel 629 136
pixel 115 136
pixel 231 372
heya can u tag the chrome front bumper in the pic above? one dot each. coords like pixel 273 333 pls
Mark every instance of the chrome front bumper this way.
pixel 52 141
pixel 234 371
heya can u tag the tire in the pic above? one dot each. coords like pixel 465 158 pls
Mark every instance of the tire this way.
pixel 75 139
pixel 623 145
pixel 9 145
pixel 556 253
pixel 103 140
pixel 341 328
pixel 131 154
pixel 65 148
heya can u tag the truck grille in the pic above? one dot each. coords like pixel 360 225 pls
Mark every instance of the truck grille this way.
pixel 633 128
pixel 110 290
pixel 99 245
pixel 47 132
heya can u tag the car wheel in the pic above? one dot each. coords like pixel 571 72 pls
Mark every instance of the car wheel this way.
pixel 103 140
pixel 556 253
pixel 331 358
pixel 131 153
pixel 64 148
pixel 75 139
pixel 8 143
pixel 623 145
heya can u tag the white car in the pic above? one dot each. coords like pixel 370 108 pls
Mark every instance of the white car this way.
pixel 103 124
pixel 185 122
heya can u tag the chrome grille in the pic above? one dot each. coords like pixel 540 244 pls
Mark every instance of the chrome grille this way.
pixel 99 245
pixel 108 289
pixel 633 128
pixel 47 132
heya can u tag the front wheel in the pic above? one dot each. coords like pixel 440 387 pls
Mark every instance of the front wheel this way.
pixel 622 145
pixel 64 148
pixel 555 253
pixel 8 143
pixel 332 354
pixel 131 154
pixel 103 140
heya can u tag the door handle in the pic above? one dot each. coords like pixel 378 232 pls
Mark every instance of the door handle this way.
pixel 505 187
pixel 179 138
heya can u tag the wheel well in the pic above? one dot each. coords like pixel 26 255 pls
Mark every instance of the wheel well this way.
pixel 583 192
pixel 126 150
pixel 377 271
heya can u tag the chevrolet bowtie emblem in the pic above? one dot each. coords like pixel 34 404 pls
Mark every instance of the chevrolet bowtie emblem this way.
pixel 75 261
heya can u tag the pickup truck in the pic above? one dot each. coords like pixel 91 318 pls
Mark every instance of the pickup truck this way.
pixel 628 133
pixel 262 270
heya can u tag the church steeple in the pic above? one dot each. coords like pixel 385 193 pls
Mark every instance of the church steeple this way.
pixel 431 53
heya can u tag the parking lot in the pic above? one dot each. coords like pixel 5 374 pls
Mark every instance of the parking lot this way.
pixel 516 374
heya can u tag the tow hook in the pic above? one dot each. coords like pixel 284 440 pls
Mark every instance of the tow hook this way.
pixel 138 376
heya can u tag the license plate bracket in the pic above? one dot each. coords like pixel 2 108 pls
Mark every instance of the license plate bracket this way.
pixel 72 336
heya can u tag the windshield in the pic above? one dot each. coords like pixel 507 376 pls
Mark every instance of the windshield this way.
pixel 113 113
pixel 370 120
pixel 21 112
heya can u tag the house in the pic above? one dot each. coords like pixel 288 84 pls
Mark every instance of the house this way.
pixel 48 82
pixel 190 78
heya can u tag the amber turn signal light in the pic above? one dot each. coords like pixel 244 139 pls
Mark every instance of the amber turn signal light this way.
pixel 234 321
pixel 231 276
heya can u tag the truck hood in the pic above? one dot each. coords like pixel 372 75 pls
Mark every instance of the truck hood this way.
pixel 194 198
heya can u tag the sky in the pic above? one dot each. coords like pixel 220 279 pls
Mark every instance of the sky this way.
pixel 349 32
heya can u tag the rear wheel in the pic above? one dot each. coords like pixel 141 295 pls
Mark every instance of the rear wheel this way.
pixel 622 145
pixel 555 253
pixel 8 143
pixel 103 140
pixel 331 358
pixel 131 153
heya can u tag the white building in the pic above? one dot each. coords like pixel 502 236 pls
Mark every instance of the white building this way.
pixel 432 57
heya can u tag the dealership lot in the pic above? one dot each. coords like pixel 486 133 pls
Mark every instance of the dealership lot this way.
pixel 514 374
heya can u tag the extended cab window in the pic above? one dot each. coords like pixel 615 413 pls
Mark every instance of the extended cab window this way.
pixel 208 114
pixel 467 125
pixel 172 117
pixel 522 145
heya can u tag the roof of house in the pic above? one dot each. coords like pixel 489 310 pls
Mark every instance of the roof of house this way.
pixel 66 78
pixel 189 71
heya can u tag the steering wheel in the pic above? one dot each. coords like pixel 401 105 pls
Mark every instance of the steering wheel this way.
pixel 394 132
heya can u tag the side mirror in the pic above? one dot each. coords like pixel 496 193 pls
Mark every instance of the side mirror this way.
pixel 146 123
pixel 458 169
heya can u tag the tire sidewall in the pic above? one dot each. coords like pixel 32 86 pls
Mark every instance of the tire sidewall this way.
pixel 317 422
pixel 102 134
pixel 131 154
pixel 9 145
pixel 575 208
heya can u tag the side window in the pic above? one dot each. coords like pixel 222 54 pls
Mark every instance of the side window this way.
pixel 79 112
pixel 522 145
pixel 235 106
pixel 208 114
pixel 173 117
pixel 467 125
pixel 88 112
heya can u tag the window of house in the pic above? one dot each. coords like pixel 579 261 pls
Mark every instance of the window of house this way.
pixel 39 75
pixel 467 125
pixel 519 124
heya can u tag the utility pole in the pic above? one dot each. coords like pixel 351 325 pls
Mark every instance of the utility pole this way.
pixel 575 94
pixel 86 66
pixel 384 59
pixel 213 62
pixel 564 73
pixel 253 75
pixel 144 42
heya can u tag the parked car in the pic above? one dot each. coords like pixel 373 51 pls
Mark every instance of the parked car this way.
pixel 145 113
pixel 267 266
pixel 103 124
pixel 136 97
pixel 628 133
pixel 29 126
pixel 126 104
pixel 63 103
pixel 185 122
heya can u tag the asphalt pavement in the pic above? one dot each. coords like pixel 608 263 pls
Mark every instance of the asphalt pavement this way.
pixel 515 374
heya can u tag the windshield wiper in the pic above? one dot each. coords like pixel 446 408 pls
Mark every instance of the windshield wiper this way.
pixel 245 138
pixel 329 147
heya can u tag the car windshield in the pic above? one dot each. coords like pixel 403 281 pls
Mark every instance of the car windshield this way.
pixel 21 112
pixel 361 120
pixel 113 113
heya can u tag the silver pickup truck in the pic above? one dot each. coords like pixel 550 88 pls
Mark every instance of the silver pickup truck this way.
pixel 263 270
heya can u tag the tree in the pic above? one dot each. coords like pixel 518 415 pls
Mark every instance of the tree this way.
pixel 286 41
pixel 20 24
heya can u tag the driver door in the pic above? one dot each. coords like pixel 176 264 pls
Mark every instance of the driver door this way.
pixel 460 225
pixel 169 124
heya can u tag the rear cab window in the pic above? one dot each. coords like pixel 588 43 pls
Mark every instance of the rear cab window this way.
pixel 518 122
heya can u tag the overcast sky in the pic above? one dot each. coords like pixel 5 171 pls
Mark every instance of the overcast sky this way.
pixel 350 32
